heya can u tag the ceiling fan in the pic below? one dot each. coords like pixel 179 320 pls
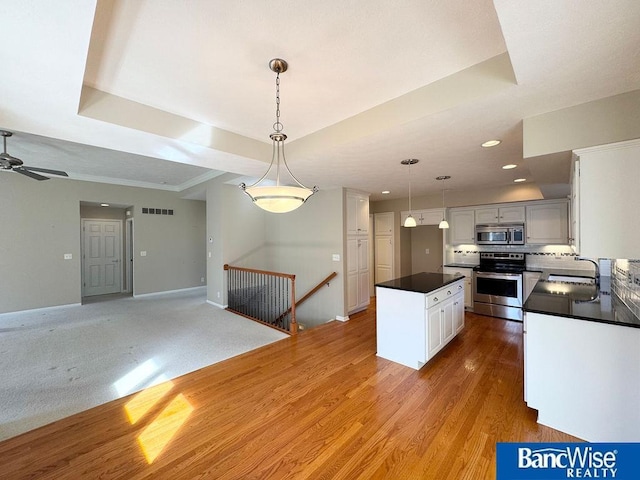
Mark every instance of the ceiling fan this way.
pixel 7 162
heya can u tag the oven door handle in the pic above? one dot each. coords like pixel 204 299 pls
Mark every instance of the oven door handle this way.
pixel 497 275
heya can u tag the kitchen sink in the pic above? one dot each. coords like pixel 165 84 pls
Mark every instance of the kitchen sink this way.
pixel 572 279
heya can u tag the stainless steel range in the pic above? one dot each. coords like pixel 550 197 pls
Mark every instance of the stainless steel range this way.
pixel 497 290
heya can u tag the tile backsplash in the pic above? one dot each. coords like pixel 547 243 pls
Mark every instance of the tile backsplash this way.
pixel 625 282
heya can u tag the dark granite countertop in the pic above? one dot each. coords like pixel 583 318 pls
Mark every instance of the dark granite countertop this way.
pixel 583 302
pixel 421 282
pixel 460 265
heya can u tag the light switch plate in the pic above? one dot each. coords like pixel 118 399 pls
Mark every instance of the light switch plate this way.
pixel 335 257
pixel 68 256
pixel 143 253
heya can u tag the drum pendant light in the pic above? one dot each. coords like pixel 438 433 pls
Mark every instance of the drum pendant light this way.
pixel 281 197
pixel 410 221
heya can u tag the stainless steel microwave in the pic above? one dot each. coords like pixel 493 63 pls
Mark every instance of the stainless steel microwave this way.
pixel 504 234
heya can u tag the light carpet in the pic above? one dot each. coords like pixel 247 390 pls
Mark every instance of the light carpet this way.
pixel 60 361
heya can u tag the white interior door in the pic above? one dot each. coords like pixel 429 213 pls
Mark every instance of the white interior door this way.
pixel 102 262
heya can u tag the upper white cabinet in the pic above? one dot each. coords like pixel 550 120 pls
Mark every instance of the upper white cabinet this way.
pixel 357 213
pixel 608 201
pixel 462 225
pixel 547 223
pixel 431 216
pixel 383 223
pixel 574 206
pixel 512 214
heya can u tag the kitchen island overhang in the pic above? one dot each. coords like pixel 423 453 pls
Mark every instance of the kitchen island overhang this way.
pixel 417 315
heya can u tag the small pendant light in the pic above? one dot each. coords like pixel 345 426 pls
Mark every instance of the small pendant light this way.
pixel 410 221
pixel 443 224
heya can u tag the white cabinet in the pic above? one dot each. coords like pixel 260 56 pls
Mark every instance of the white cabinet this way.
pixel 468 283
pixel 383 223
pixel 357 251
pixel 583 377
pixel 547 223
pixel 462 226
pixel 357 274
pixel 511 214
pixel 357 214
pixel 609 201
pixel 574 207
pixel 411 327
pixel 431 216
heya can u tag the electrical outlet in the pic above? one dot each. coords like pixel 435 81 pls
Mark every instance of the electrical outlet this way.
pixel 143 253
pixel 68 256
pixel 218 294
pixel 201 279
pixel 335 257
pixel 426 251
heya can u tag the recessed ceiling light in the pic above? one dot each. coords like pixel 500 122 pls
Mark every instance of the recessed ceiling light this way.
pixel 510 166
pixel 491 143
pixel 386 192
pixel 518 180
pixel 104 204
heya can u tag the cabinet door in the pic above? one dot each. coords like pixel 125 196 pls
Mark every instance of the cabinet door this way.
pixel 547 224
pixel 352 292
pixel 447 311
pixel 434 331
pixel 357 214
pixel 384 258
pixel 574 221
pixel 462 223
pixel 363 272
pixel 352 256
pixel 458 313
pixel 384 223
pixel 515 214
pixel 487 215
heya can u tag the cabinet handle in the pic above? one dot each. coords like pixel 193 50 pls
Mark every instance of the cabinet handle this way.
pixel 459 287
pixel 435 299
pixel 448 292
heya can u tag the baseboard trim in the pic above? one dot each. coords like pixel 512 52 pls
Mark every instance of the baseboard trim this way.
pixel 340 318
pixel 217 304
pixel 42 309
pixel 180 290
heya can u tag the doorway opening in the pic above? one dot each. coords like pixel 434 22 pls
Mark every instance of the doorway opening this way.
pixel 107 252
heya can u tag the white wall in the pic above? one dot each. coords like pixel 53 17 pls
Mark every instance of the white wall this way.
pixel 40 222
pixel 300 242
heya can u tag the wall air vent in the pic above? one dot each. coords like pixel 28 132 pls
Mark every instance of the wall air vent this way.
pixel 157 211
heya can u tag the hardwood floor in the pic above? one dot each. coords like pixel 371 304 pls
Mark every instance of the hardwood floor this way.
pixel 320 405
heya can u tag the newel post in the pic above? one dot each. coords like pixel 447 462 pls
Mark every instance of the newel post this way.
pixel 294 325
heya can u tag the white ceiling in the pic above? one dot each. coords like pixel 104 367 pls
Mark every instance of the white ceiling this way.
pixel 183 88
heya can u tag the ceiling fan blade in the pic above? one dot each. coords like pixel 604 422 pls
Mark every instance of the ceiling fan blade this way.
pixel 46 170
pixel 23 171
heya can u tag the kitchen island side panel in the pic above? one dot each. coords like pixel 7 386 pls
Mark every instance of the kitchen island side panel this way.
pixel 401 326
pixel 584 377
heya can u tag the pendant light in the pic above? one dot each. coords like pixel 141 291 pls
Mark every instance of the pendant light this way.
pixel 280 198
pixel 443 224
pixel 410 221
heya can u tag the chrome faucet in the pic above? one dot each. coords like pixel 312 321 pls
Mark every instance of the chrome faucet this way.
pixel 597 273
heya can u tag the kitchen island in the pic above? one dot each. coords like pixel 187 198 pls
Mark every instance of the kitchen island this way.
pixel 582 360
pixel 417 315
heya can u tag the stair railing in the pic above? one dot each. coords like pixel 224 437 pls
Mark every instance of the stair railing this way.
pixel 262 295
pixel 268 297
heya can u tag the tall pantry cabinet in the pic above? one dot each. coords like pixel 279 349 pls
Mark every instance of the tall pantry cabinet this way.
pixel 357 230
